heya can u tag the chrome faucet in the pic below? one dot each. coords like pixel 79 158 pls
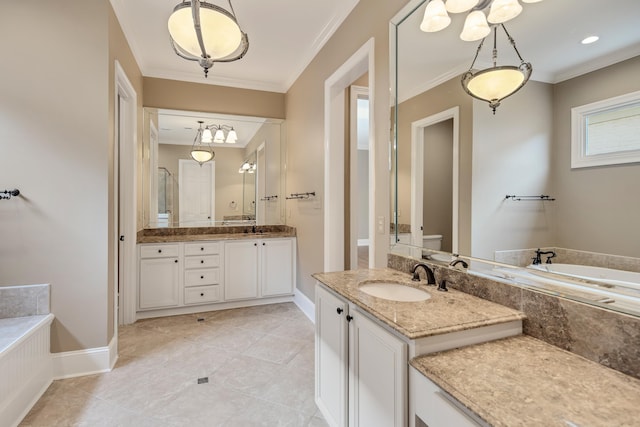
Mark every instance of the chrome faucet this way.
pixel 538 260
pixel 431 278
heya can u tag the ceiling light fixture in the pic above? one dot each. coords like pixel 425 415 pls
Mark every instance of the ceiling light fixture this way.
pixel 219 135
pixel 206 33
pixel 498 82
pixel 248 167
pixel 476 25
pixel 201 150
pixel 590 39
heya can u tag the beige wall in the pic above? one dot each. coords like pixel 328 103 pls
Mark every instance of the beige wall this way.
pixel 56 149
pixel 598 207
pixel 177 95
pixel 305 130
pixel 512 153
pixel 438 99
pixel 271 135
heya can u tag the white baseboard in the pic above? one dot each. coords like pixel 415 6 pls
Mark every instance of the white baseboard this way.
pixel 85 362
pixel 305 304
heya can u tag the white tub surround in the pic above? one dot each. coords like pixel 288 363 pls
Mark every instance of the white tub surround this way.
pixel 25 359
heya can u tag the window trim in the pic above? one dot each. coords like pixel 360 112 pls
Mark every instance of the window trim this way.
pixel 579 158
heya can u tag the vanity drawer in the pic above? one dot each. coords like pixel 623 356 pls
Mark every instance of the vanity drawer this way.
pixel 208 276
pixel 202 248
pixel 203 294
pixel 159 251
pixel 205 261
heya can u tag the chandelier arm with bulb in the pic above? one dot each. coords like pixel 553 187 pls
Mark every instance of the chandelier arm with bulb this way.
pixel 195 13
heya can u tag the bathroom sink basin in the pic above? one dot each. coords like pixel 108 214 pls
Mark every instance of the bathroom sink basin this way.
pixel 394 291
pixel 442 257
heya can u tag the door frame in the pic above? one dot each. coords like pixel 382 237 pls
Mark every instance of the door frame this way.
pixel 125 150
pixel 417 174
pixel 360 62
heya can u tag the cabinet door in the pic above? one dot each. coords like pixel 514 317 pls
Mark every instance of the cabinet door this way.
pixel 159 282
pixel 276 267
pixel 240 270
pixel 377 375
pixel 331 357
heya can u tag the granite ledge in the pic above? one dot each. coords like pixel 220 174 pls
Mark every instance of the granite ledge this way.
pixel 443 313
pixel 193 234
pixel 522 381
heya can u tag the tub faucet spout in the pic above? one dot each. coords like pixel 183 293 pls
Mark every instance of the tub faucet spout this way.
pixel 538 260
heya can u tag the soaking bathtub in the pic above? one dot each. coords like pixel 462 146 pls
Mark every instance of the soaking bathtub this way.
pixel 616 289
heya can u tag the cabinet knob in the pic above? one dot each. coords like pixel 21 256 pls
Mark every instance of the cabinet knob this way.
pixel 176 261
pixel 255 244
pixel 201 261
pixel 202 249
pixel 263 243
pixel 159 251
pixel 201 294
pixel 349 318
pixel 339 310
pixel 202 277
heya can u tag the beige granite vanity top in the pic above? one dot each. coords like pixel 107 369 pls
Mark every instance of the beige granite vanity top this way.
pixel 192 234
pixel 522 381
pixel 443 313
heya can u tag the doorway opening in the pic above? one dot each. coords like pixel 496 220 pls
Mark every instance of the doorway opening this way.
pixel 434 180
pixel 336 230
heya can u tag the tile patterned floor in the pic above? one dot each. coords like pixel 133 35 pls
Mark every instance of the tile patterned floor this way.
pixel 258 361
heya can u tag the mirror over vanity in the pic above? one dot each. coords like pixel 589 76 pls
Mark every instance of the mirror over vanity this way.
pixel 242 184
pixel 496 187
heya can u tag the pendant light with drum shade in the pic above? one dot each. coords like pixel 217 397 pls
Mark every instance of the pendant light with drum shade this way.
pixel 206 33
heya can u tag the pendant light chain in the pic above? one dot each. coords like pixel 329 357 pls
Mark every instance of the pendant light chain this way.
pixel 513 42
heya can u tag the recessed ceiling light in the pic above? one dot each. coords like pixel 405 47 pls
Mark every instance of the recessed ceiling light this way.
pixel 590 39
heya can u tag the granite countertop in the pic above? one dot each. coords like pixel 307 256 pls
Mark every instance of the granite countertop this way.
pixel 217 236
pixel 443 313
pixel 193 234
pixel 522 381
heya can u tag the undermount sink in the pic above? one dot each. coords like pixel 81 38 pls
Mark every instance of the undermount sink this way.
pixel 394 291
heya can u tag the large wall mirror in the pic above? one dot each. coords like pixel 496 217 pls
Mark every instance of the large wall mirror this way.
pixel 242 184
pixel 455 161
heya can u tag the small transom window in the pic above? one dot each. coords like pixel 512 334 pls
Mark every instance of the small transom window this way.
pixel 606 132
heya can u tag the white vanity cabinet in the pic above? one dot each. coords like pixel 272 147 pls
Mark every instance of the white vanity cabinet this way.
pixel 188 277
pixel 361 368
pixel 433 407
pixel 159 276
pixel 259 268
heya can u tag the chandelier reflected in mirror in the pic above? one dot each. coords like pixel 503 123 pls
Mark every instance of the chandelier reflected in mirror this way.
pixel 497 82
pixel 201 150
pixel 206 33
